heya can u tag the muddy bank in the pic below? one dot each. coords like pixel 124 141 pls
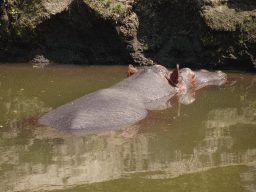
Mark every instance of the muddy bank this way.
pixel 197 34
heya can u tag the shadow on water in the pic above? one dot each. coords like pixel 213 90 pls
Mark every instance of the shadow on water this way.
pixel 208 145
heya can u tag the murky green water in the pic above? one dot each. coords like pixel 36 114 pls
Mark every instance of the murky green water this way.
pixel 209 145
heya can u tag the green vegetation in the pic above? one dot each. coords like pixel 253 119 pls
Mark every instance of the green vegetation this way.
pixel 25 24
pixel 250 19
pixel 238 9
pixel 13 12
pixel 20 2
pixel 220 49
pixel 108 3
pixel 93 6
pixel 242 43
pixel 210 40
pixel 118 8
pixel 19 34
pixel 24 36
pixel 111 13
pixel 201 13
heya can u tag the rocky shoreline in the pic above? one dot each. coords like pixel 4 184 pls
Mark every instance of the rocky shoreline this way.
pixel 215 34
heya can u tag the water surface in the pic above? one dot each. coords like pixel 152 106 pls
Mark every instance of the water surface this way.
pixel 208 145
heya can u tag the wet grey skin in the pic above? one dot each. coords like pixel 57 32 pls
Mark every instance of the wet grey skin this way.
pixel 205 78
pixel 122 104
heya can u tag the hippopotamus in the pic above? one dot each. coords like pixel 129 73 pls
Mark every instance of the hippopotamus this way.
pixel 127 102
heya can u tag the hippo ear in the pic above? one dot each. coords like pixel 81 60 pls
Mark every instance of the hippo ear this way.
pixel 131 70
pixel 175 76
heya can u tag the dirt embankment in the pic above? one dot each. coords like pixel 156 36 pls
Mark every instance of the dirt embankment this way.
pixel 193 33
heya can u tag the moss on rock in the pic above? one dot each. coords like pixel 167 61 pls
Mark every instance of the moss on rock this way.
pixel 231 24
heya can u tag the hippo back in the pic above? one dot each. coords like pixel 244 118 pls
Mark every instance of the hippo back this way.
pixel 147 84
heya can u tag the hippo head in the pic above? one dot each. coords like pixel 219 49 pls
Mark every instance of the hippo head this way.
pixel 205 78
pixel 183 82
pixel 186 79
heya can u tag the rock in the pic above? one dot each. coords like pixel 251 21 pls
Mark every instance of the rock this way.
pixel 198 33
pixel 40 59
pixel 231 30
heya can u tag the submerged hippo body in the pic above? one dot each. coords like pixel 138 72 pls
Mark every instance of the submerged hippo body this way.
pixel 127 102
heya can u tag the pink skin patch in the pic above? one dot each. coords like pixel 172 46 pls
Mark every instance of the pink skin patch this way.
pixel 131 70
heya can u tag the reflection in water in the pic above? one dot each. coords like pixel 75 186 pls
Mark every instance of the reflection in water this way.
pixel 249 178
pixel 216 135
pixel 20 107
